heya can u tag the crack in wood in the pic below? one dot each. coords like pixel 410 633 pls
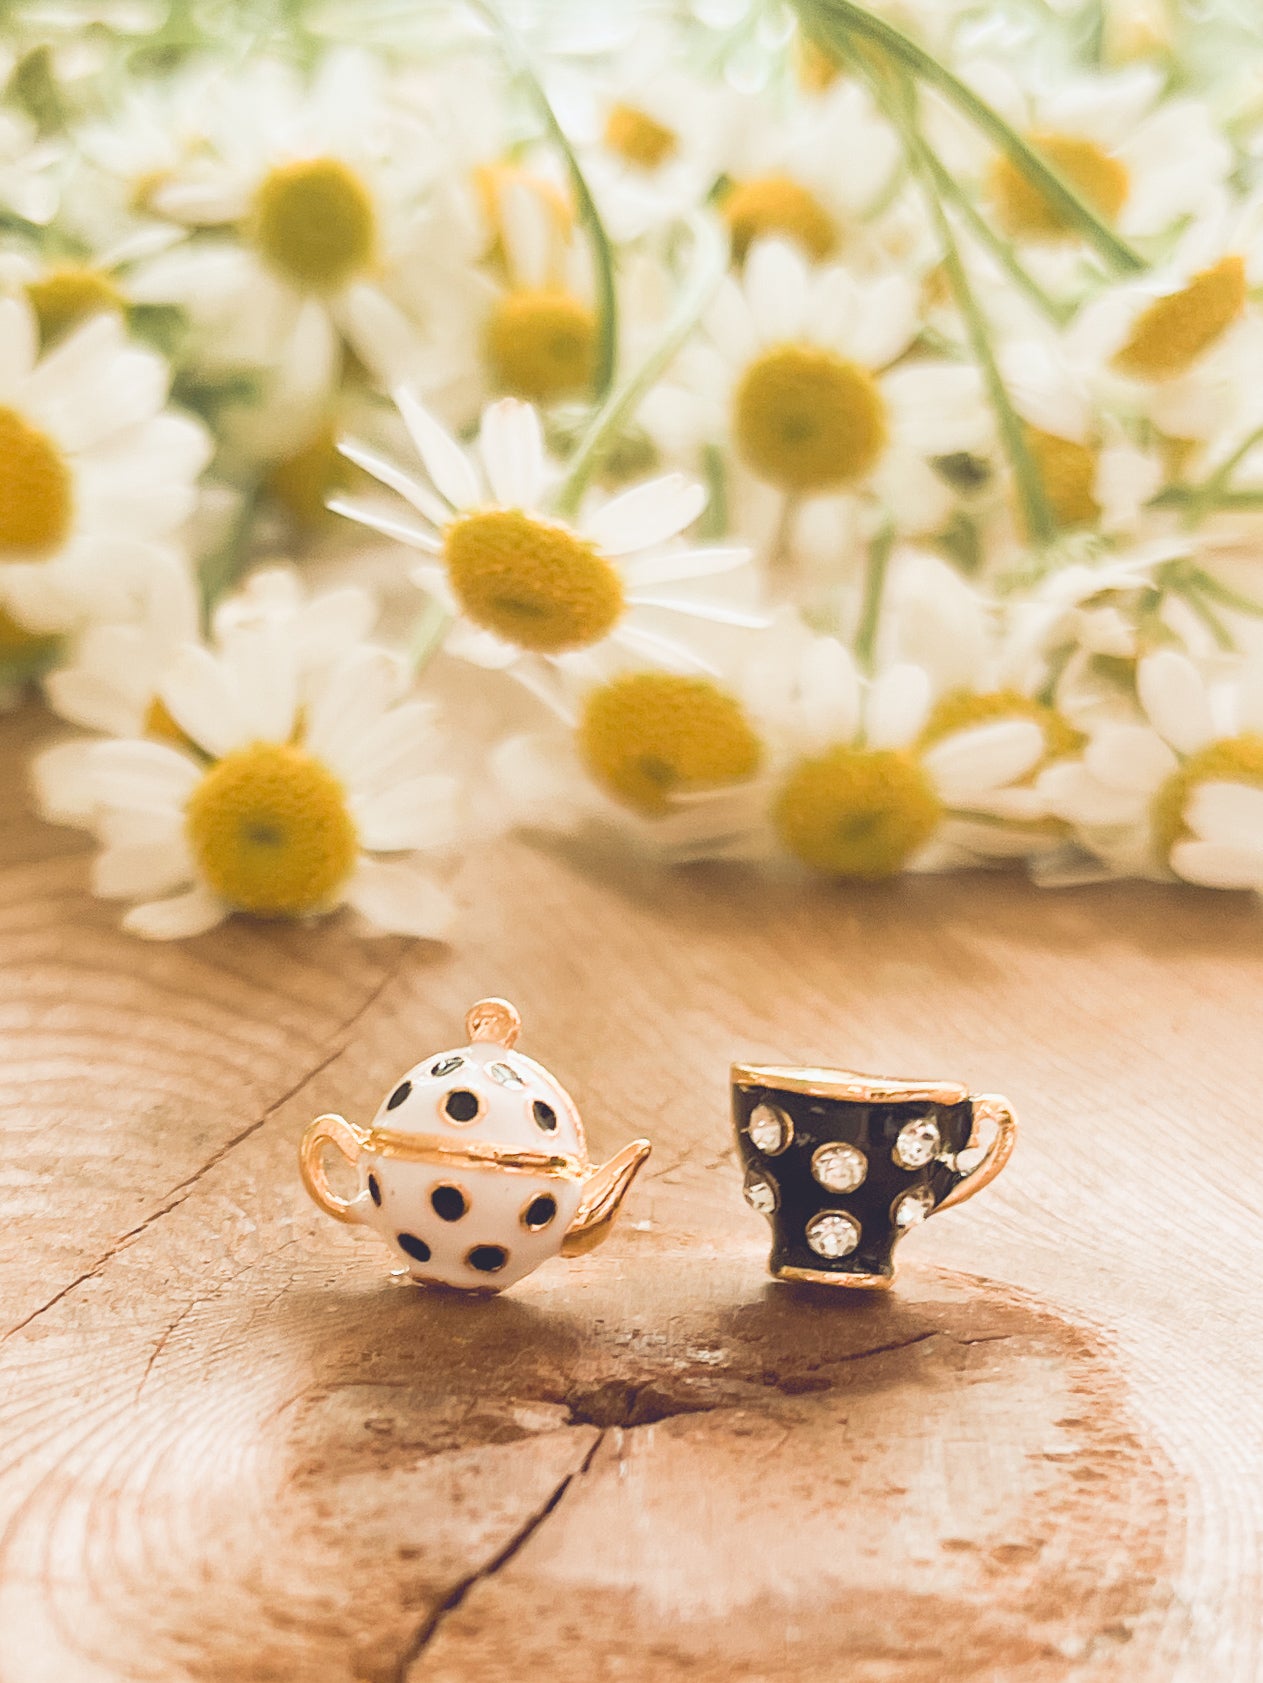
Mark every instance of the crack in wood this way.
pixel 431 1626
pixel 181 1190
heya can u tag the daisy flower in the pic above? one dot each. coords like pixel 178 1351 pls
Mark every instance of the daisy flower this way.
pixel 94 474
pixel 525 587
pixel 273 808
pixel 634 749
pixel 1140 160
pixel 1181 791
pixel 309 227
pixel 650 134
pixel 782 180
pixel 802 373
pixel 1157 328
pixel 855 781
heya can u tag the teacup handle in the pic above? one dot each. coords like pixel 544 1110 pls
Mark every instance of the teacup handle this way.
pixel 337 1132
pixel 988 1107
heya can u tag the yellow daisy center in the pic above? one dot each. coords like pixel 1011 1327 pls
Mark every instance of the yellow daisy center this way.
pixel 1172 332
pixel 1068 470
pixel 159 724
pixel 963 709
pixel 65 297
pixel 854 812
pixel 315 224
pixel 1235 759
pixel 639 138
pixel 534 584
pixel 1099 179
pixel 270 831
pixel 541 345
pixel 35 491
pixel 770 205
pixel 302 481
pixel 806 419
pixel 816 69
pixel 650 735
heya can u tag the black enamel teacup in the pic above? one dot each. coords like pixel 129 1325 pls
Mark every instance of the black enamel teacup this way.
pixel 843 1165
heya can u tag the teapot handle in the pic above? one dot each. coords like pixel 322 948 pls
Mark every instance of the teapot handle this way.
pixel 349 1142
pixel 988 1107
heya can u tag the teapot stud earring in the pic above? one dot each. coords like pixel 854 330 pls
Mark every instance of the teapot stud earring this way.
pixel 475 1168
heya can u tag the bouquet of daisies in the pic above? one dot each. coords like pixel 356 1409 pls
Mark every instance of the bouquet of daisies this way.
pixel 828 435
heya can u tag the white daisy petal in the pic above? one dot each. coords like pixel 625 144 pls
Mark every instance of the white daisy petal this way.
pixel 1218 865
pixel 776 287
pixel 261 664
pixel 512 446
pixel 644 571
pixel 445 461
pixel 646 515
pixel 1074 794
pixel 177 918
pixel 1129 757
pixel 201 697
pixel 64 781
pixel 412 814
pixel 1250 697
pixel 713 611
pixel 377 520
pixel 358 691
pixel 400 898
pixel 985 757
pixel 143 774
pixel 898 703
pixel 124 872
pixel 424 501
pixel 1173 694
pixel 1231 813
pixel 829 693
pixel 136 826
pixel 19 342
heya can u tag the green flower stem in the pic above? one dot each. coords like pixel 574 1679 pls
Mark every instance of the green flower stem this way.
pixel 879 552
pixel 221 569
pixel 428 632
pixel 710 255
pixel 831 22
pixel 1036 510
pixel 949 188
pixel 602 251
pixel 1208 585
pixel 1188 496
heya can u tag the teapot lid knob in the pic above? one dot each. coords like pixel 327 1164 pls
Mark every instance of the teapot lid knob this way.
pixel 495 1020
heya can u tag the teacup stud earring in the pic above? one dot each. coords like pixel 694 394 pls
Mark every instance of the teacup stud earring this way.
pixel 844 1165
pixel 475 1168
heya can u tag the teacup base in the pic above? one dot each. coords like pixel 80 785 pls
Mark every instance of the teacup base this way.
pixel 824 1277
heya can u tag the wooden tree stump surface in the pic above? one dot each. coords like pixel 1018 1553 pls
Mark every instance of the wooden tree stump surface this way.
pixel 231 1447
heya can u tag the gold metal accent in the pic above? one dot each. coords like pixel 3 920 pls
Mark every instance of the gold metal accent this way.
pixel 452 1121
pixel 472 1154
pixel 819 1277
pixel 847 1084
pixel 495 1020
pixel 988 1107
pixel 536 1226
pixel 604 1192
pixel 487 1247
pixel 350 1142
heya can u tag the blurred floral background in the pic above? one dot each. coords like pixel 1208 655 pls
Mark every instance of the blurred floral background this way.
pixel 824 435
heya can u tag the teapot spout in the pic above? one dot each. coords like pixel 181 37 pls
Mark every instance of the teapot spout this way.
pixel 602 1195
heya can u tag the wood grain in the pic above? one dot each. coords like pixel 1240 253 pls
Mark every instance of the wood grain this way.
pixel 231 1447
